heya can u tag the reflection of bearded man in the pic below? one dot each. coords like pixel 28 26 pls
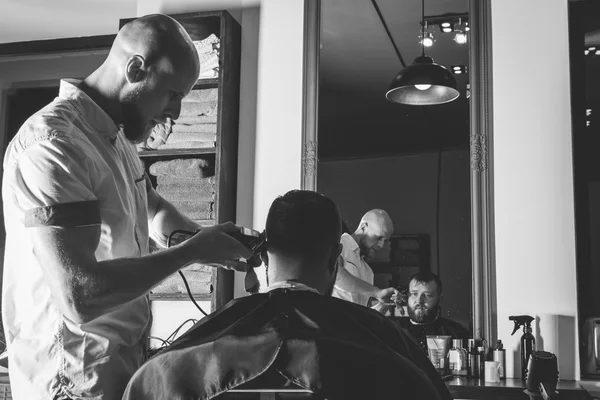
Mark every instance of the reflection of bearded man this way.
pixel 423 303
pixel 424 300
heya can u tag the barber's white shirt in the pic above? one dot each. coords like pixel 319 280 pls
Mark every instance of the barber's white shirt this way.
pixel 68 166
pixel 354 263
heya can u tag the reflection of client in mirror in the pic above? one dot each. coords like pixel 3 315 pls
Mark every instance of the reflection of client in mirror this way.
pixel 424 313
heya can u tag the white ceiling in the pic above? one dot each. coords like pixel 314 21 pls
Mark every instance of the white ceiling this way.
pixel 25 20
pixel 357 53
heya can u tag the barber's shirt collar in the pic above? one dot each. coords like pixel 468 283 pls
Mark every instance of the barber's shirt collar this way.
pixel 353 245
pixel 95 116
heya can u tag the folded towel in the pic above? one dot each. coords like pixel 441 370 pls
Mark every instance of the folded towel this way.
pixel 204 128
pixel 213 73
pixel 194 209
pixel 199 119
pixel 208 64
pixel 184 180
pixel 180 137
pixel 177 191
pixel 205 222
pixel 212 38
pixel 199 280
pixel 142 147
pixel 195 108
pixel 206 48
pixel 214 54
pixel 189 167
pixel 201 95
pixel 158 136
pixel 187 145
pixel 198 185
pixel 187 196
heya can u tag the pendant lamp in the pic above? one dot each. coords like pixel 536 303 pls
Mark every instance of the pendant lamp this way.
pixel 425 82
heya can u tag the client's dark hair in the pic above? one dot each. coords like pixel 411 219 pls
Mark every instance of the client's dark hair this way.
pixel 302 222
pixel 426 277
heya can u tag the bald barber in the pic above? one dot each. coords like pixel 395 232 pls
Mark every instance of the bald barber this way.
pixel 354 281
pixel 78 211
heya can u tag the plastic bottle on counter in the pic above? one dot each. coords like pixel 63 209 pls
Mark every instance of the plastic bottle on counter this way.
pixel 457 359
pixel 500 356
pixel 481 361
pixel 473 360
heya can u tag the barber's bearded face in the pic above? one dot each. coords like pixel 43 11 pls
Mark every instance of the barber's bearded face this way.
pixel 374 236
pixel 136 126
pixel 423 301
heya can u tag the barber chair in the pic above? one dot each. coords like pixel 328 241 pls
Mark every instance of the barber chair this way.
pixel 269 394
pixel 269 386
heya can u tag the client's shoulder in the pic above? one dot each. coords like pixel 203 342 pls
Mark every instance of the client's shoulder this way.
pixel 454 328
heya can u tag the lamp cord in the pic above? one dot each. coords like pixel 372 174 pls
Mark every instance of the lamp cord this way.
pixel 422 28
pixel 389 33
pixel 437 209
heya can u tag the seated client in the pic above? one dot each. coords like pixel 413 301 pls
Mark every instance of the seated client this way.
pixel 424 312
pixel 295 333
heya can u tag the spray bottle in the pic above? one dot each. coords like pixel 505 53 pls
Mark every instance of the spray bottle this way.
pixel 500 356
pixel 527 339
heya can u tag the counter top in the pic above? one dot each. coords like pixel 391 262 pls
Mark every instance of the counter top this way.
pixel 463 388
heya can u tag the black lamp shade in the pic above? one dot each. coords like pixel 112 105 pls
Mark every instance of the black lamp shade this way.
pixel 423 83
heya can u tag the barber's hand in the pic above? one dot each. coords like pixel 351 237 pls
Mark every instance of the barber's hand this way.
pixel 215 247
pixel 386 300
pixel 387 295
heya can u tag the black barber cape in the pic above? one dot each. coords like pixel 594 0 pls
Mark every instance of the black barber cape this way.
pixel 335 348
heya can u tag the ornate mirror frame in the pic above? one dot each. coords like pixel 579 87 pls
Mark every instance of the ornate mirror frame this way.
pixel 482 229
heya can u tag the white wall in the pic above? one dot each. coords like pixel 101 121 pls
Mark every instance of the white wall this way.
pixel 38 20
pixel 533 177
pixel 278 155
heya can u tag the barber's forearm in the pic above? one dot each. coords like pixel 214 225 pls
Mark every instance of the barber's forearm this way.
pixel 118 281
pixel 85 288
pixel 167 219
pixel 349 283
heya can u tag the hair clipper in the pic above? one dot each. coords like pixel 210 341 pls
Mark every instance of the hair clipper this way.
pixel 253 240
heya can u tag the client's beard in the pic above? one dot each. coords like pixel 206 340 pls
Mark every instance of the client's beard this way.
pixel 426 315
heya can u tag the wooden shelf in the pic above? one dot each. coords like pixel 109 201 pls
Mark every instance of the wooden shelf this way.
pixel 223 156
pixel 176 152
pixel 206 83
pixel 178 297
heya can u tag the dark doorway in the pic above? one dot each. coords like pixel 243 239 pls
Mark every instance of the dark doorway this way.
pixel 584 25
pixel 21 104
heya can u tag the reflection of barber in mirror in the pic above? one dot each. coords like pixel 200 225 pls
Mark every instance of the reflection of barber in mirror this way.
pixel 424 312
pixel 354 280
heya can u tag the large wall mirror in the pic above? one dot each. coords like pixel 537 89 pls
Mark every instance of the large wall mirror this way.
pixel 427 166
